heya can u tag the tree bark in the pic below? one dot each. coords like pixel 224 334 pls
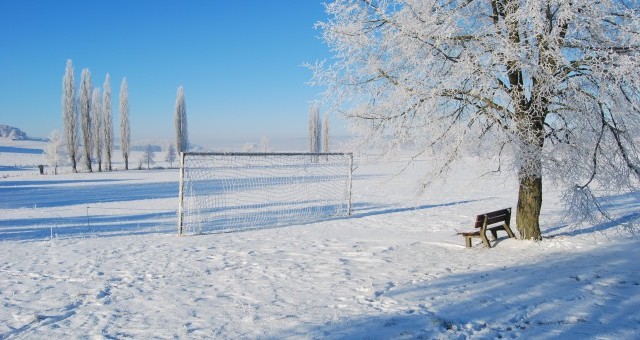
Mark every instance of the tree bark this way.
pixel 528 210
pixel 531 130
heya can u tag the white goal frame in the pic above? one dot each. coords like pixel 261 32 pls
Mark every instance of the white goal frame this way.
pixel 311 163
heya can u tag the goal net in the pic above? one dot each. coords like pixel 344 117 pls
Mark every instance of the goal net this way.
pixel 221 192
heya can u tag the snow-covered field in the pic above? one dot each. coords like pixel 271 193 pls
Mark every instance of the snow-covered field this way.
pixel 97 255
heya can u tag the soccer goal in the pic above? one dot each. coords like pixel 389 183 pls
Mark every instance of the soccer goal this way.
pixel 221 192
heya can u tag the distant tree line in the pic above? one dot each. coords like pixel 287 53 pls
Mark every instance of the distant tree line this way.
pixel 87 136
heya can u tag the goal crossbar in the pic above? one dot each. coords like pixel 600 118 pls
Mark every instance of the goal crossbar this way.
pixel 229 191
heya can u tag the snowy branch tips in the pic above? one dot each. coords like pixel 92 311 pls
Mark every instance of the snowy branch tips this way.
pixel 555 84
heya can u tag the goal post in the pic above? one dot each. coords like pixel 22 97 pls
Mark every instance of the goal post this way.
pixel 222 192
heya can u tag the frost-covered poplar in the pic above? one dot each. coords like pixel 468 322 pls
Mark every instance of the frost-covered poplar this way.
pixel 180 120
pixel 97 120
pixel 125 132
pixel 550 88
pixel 325 133
pixel 107 126
pixel 314 129
pixel 69 116
pixel 85 116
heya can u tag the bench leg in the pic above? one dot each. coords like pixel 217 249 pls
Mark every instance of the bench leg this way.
pixel 508 230
pixel 485 240
pixel 494 234
pixel 467 241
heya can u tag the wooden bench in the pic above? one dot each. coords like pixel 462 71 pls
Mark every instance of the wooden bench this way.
pixel 488 222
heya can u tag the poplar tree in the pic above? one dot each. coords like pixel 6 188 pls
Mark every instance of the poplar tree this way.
pixel 325 133
pixel 107 126
pixel 180 120
pixel 85 116
pixel 314 129
pixel 97 119
pixel 69 116
pixel 125 137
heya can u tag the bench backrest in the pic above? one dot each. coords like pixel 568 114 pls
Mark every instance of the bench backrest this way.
pixel 494 217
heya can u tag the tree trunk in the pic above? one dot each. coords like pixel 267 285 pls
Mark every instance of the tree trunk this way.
pixel 126 163
pixel 529 205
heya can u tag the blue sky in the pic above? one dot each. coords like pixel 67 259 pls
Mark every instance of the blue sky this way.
pixel 239 61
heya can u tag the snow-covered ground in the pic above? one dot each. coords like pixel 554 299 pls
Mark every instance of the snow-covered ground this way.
pixel 97 255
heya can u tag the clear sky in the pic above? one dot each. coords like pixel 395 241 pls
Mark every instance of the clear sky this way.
pixel 240 62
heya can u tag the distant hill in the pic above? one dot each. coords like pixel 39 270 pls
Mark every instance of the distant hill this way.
pixel 11 132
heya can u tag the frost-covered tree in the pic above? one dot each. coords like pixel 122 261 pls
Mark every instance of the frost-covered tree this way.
pixel 54 151
pixel 107 125
pixel 148 155
pixel 553 85
pixel 170 155
pixel 125 132
pixel 97 120
pixel 325 133
pixel 69 116
pixel 265 144
pixel 249 147
pixel 85 116
pixel 180 120
pixel 314 129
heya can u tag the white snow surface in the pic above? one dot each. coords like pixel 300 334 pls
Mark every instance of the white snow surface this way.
pixel 97 256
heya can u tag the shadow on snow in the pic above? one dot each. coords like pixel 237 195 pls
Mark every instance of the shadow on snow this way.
pixel 623 208
pixel 284 214
pixel 60 196
pixel 91 225
pixel 12 184
pixel 580 294
pixel 13 149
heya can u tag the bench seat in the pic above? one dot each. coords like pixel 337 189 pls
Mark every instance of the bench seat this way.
pixel 493 222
